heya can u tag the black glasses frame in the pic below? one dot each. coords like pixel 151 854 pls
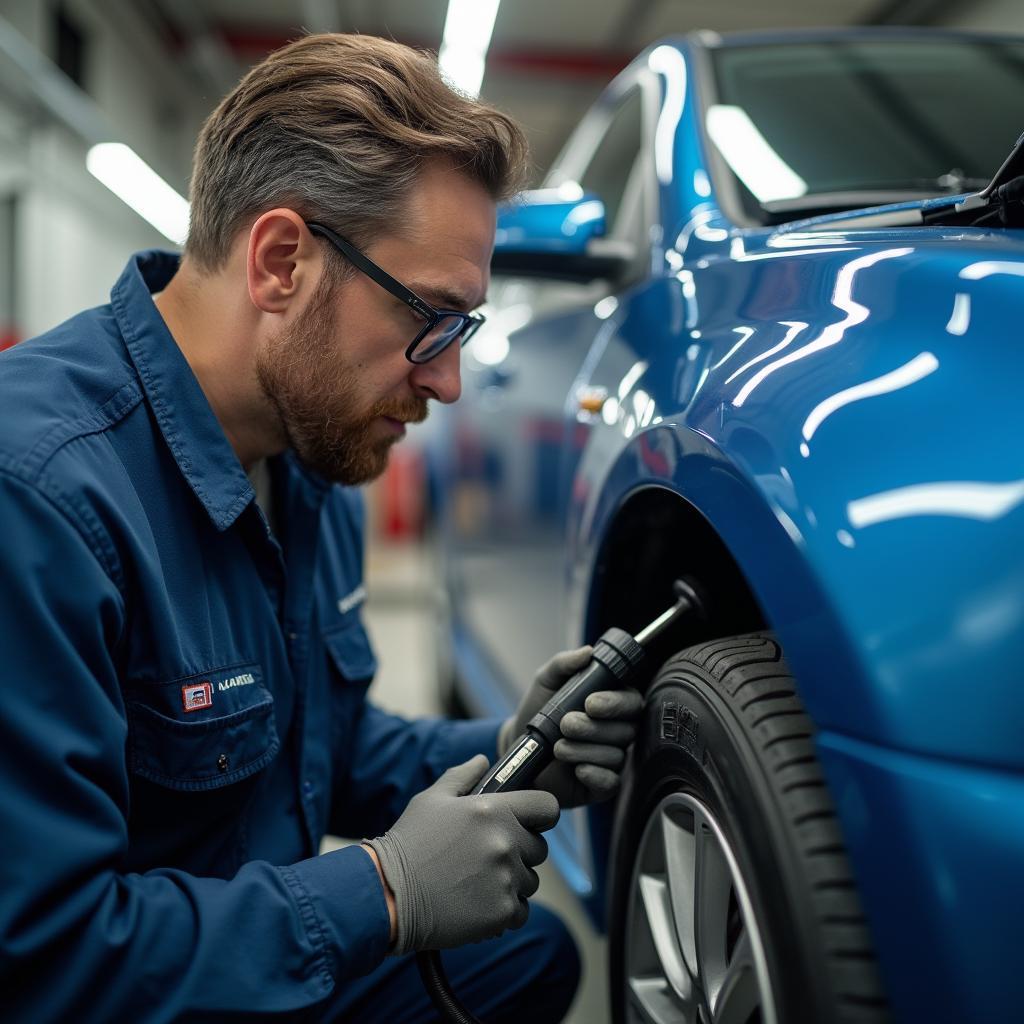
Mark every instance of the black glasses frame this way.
pixel 470 322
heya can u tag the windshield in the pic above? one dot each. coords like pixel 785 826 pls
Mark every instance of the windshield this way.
pixel 839 124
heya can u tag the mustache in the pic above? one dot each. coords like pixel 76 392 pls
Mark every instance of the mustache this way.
pixel 406 410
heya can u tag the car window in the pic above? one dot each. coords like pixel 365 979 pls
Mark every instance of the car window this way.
pixel 611 166
pixel 615 173
pixel 875 120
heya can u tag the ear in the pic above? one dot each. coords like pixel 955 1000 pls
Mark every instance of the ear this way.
pixel 282 260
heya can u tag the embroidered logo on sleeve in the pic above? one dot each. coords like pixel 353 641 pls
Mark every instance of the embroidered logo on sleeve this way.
pixel 353 600
pixel 196 696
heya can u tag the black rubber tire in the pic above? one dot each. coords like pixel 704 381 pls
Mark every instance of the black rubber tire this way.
pixel 722 722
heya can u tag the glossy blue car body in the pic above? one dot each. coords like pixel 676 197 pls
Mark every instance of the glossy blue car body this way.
pixel 839 400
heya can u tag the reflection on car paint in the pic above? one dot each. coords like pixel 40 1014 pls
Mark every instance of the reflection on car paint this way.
pixel 754 257
pixel 745 334
pixel 833 333
pixel 910 373
pixel 795 327
pixel 670 64
pixel 964 499
pixel 960 318
pixel 987 268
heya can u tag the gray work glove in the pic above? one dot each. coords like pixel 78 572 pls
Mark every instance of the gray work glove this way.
pixel 590 756
pixel 461 867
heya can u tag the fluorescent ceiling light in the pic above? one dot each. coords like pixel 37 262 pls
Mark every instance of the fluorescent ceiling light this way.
pixel 467 34
pixel 134 182
pixel 752 160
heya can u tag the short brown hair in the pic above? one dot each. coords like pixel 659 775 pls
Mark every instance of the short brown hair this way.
pixel 336 127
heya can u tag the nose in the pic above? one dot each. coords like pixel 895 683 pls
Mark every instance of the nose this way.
pixel 441 378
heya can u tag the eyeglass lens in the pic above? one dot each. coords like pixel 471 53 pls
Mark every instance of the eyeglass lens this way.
pixel 440 336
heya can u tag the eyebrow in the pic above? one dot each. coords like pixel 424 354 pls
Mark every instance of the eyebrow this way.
pixel 443 297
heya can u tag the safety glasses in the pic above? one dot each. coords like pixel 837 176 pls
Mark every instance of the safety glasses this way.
pixel 440 327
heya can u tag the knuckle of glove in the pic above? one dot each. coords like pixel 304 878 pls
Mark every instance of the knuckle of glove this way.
pixel 554 672
pixel 501 851
pixel 605 755
pixel 577 725
pixel 616 732
pixel 614 704
pixel 600 782
pixel 483 808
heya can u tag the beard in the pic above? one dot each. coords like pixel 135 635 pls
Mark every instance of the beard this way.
pixel 317 397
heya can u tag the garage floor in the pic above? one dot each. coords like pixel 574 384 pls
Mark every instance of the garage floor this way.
pixel 401 597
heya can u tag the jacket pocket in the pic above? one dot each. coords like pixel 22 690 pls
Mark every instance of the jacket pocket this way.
pixel 350 651
pixel 207 754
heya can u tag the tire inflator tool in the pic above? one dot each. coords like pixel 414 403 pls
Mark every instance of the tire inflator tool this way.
pixel 614 664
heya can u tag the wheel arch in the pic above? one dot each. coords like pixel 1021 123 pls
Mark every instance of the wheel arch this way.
pixel 641 555
pixel 700 516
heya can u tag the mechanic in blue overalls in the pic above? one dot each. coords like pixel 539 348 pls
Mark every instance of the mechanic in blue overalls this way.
pixel 184 665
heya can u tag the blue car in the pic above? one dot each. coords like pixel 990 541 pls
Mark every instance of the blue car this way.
pixel 760 331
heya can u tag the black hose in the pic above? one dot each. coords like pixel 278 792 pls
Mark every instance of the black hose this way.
pixel 441 995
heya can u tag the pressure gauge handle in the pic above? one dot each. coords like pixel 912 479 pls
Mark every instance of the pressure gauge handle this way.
pixel 616 657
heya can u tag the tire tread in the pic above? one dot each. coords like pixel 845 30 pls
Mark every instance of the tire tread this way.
pixel 751 674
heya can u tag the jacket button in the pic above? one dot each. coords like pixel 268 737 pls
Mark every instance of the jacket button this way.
pixel 222 762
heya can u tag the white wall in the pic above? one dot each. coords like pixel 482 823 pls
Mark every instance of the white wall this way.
pixel 72 237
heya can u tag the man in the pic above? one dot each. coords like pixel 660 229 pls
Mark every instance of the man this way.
pixel 185 669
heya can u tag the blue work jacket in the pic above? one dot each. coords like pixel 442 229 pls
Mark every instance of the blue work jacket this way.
pixel 184 698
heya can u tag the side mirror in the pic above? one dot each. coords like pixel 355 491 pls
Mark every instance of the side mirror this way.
pixel 540 234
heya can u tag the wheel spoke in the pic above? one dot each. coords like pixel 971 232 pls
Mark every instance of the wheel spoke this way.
pixel 651 1002
pixel 655 895
pixel 680 870
pixel 713 884
pixel 693 950
pixel 739 994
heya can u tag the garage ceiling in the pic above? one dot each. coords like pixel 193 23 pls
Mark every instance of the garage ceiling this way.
pixel 548 58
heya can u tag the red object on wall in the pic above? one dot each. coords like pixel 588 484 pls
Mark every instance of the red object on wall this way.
pixel 400 508
pixel 9 337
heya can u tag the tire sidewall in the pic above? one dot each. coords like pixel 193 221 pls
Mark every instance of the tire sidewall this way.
pixel 690 741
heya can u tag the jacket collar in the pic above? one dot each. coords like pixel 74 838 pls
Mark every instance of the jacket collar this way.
pixel 192 432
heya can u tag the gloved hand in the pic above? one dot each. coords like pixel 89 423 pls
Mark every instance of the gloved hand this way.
pixel 590 756
pixel 461 867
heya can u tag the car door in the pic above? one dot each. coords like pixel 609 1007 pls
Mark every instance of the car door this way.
pixel 512 440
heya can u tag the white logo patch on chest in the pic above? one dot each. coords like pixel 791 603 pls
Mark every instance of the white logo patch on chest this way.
pixel 243 679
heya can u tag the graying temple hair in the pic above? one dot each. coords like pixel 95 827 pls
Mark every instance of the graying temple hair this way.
pixel 336 127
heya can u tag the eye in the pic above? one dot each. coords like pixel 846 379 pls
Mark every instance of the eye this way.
pixel 419 315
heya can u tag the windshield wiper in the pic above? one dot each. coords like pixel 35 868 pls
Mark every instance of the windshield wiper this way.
pixel 1000 201
pixel 857 195
pixel 953 182
pixel 779 211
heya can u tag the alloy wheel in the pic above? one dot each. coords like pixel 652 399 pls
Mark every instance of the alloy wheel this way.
pixel 694 951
